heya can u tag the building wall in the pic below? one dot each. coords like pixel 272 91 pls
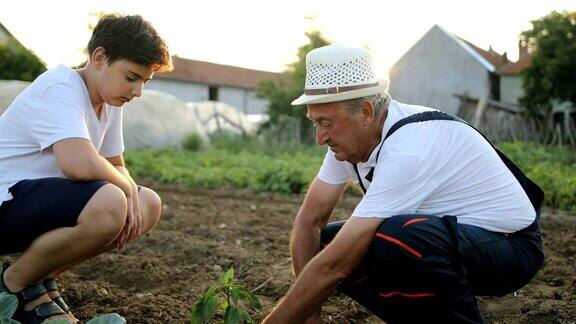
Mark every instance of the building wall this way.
pixel 511 88
pixel 256 105
pixel 436 68
pixel 242 99
pixel 188 92
pixel 235 97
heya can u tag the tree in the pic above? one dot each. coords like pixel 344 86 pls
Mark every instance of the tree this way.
pixel 551 77
pixel 19 63
pixel 290 85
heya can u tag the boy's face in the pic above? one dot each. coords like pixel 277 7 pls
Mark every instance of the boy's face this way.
pixel 121 81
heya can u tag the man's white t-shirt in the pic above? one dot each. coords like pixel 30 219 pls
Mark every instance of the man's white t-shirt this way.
pixel 54 107
pixel 437 168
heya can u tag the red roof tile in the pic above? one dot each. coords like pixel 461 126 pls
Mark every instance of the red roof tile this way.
pixel 515 68
pixel 491 56
pixel 216 74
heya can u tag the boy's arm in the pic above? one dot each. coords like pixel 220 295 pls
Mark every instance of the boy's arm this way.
pixel 78 160
pixel 118 163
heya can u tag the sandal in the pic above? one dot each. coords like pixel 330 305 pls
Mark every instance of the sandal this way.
pixel 38 314
pixel 50 285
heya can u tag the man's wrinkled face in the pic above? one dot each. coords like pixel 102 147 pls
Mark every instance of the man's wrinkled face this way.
pixel 339 129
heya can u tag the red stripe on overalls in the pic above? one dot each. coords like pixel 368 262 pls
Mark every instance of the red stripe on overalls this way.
pixel 401 294
pixel 399 243
pixel 414 220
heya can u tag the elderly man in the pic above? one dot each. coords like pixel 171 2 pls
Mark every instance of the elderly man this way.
pixel 444 216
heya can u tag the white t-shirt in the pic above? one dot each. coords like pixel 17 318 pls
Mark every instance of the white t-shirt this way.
pixel 54 107
pixel 437 168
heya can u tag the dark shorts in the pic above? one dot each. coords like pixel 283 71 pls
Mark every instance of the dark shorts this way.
pixel 39 206
pixel 428 269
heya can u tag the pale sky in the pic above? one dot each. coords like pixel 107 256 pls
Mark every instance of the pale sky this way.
pixel 265 35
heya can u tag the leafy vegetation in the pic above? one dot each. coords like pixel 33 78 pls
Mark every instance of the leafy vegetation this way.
pixel 232 162
pixel 280 94
pixel 551 76
pixel 227 300
pixel 552 168
pixel 285 168
pixel 192 142
pixel 19 63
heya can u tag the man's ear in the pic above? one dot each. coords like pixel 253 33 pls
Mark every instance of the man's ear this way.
pixel 367 110
pixel 99 57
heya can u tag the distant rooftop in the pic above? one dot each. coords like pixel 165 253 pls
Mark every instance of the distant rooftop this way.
pixel 216 74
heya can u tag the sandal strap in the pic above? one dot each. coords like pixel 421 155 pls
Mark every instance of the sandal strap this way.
pixel 61 303
pixel 48 309
pixel 3 287
pixel 39 314
pixel 50 284
pixel 33 292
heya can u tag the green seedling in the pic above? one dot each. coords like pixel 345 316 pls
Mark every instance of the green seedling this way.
pixel 231 301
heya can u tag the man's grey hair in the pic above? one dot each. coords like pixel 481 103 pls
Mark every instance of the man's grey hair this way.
pixel 379 101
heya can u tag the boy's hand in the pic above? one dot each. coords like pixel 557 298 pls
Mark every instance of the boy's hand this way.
pixel 137 228
pixel 133 226
pixel 124 234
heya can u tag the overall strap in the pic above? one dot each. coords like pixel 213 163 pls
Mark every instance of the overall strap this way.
pixel 534 192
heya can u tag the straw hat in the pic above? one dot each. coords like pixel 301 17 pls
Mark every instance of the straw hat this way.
pixel 336 73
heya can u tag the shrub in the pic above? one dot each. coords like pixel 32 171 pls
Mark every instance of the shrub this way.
pixel 192 142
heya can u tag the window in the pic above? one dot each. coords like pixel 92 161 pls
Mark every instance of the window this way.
pixel 213 93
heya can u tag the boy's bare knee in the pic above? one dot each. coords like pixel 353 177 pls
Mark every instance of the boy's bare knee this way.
pixel 153 207
pixel 106 211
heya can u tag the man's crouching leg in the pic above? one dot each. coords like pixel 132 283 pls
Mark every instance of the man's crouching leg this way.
pixel 412 274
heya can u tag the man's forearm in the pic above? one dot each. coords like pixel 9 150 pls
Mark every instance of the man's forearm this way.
pixel 304 245
pixel 308 293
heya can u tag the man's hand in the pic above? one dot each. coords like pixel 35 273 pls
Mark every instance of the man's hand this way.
pixel 325 271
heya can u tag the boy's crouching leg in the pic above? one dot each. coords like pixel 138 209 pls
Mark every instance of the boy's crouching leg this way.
pixel 100 221
pixel 104 215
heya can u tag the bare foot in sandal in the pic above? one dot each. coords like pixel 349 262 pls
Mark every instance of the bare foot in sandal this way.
pixel 34 304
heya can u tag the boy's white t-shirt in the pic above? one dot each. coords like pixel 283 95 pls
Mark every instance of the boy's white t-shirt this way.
pixel 54 107
pixel 436 168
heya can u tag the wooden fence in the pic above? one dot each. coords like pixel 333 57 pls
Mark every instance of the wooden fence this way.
pixel 502 122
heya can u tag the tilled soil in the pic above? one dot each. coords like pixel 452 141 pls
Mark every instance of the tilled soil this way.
pixel 203 232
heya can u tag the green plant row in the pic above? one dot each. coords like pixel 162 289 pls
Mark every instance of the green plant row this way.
pixel 289 169
pixel 285 173
pixel 552 168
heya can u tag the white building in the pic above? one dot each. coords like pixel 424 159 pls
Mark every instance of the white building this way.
pixel 197 81
pixel 441 65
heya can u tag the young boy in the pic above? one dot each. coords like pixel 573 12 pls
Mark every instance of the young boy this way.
pixel 65 194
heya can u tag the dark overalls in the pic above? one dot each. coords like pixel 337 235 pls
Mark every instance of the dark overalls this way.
pixel 428 269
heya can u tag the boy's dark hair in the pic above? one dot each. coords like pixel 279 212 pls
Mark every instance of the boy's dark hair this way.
pixel 130 38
